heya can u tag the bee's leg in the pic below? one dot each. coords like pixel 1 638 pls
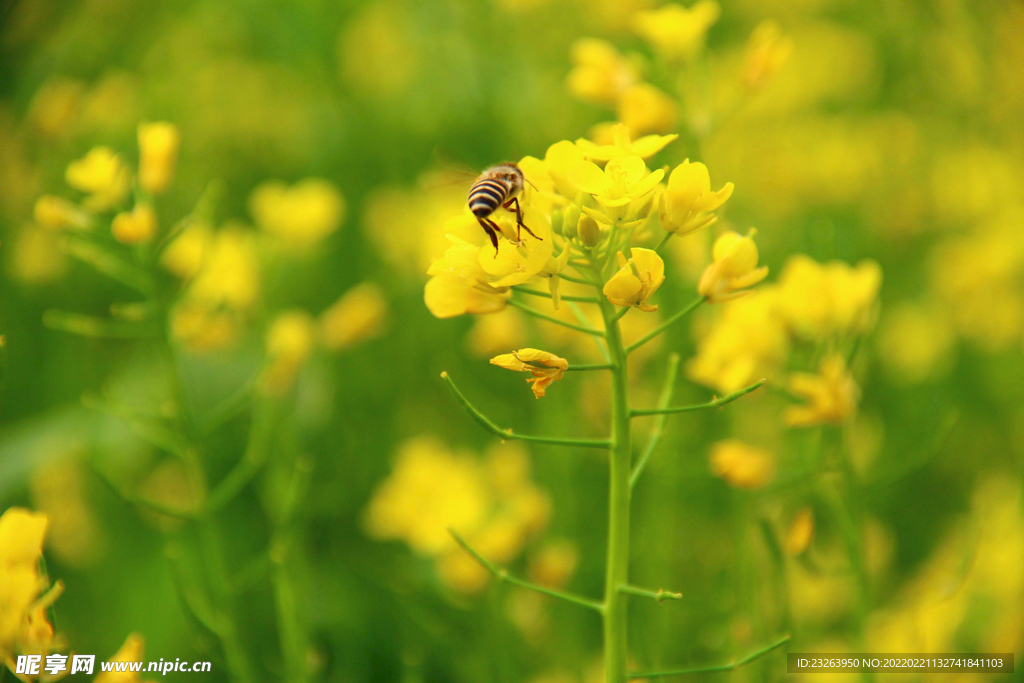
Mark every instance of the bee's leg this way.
pixel 491 231
pixel 519 217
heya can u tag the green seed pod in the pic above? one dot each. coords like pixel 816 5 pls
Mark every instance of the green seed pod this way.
pixel 569 219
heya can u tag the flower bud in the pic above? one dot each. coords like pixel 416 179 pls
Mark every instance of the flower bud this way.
pixel 589 231
pixel 570 218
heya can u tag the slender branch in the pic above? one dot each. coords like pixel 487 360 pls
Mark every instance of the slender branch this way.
pixel 506 434
pixel 717 667
pixel 545 295
pixel 577 280
pixel 600 342
pixel 151 505
pixel 728 398
pixel 663 241
pixel 659 424
pixel 664 326
pixel 503 575
pixel 659 595
pixel 552 319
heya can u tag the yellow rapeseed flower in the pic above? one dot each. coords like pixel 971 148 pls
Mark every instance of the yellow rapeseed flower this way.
pixel 687 202
pixel 57 213
pixel 800 532
pixel 103 176
pixel 620 144
pixel 675 32
pixel 230 274
pixel 136 226
pixel 636 280
pixel 915 342
pixel 290 341
pixel 831 395
pixel 555 564
pixel 734 268
pixel 186 254
pixel 599 74
pixel 644 108
pixel 158 155
pixel 742 465
pixel 458 284
pixel 131 651
pixel 300 215
pixel 767 51
pixel 624 189
pixel 545 367
pixel 818 300
pixel 357 315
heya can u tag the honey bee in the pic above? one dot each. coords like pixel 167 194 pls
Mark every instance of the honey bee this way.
pixel 498 186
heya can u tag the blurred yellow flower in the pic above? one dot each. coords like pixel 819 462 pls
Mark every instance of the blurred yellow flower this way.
pixel 23 595
pixel 747 341
pixel 230 274
pixel 734 269
pixel 644 108
pixel 767 51
pixel 818 300
pixel 555 564
pixel 831 395
pixel 36 256
pixel 493 505
pixel 688 200
pixel 102 175
pixel 131 651
pixel 624 188
pixel 359 314
pixel 378 51
pixel 290 341
pixel 742 465
pixel 599 74
pixel 675 32
pixel 636 280
pixel 915 342
pixel 620 144
pixel 491 334
pixel 184 257
pixel 545 367
pixel 800 532
pixel 59 491
pixel 300 215
pixel 158 155
pixel 57 213
pixel 136 226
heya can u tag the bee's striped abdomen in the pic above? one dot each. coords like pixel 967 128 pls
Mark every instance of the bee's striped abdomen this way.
pixel 486 196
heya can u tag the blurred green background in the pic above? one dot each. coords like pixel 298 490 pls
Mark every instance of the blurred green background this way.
pixel 893 132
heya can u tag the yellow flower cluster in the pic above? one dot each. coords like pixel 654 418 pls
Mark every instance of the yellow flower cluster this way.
pixel 493 504
pixel 742 465
pixel 24 592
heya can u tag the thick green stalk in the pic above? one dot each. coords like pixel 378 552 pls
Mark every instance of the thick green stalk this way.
pixel 617 567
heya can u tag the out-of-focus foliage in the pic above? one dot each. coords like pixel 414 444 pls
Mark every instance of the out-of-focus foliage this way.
pixel 245 425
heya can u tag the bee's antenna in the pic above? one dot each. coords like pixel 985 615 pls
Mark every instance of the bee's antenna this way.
pixel 531 184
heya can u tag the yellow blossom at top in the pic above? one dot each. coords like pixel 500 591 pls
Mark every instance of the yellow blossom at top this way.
pixel 136 226
pixel 290 341
pixel 624 188
pixel 675 32
pixel 102 175
pixel 767 51
pixel 357 315
pixel 300 215
pixel 545 367
pixel 621 145
pixel 158 155
pixel 644 108
pixel 742 465
pixel 734 268
pixel 558 159
pixel 599 74
pixel 688 200
pixel 458 284
pixel 831 395
pixel 131 651
pixel 57 213
pixel 636 280
pixel 818 300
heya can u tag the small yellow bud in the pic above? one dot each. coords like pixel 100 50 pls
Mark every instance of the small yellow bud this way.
pixel 734 270
pixel 800 533
pixel 56 213
pixel 158 155
pixel 102 175
pixel 589 231
pixel 136 226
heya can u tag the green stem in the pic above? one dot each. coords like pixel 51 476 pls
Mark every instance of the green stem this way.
pixel 508 434
pixel 728 398
pixel 503 575
pixel 552 319
pixel 594 366
pixel 660 595
pixel 546 295
pixel 620 454
pixel 716 667
pixel 659 423
pixel 664 326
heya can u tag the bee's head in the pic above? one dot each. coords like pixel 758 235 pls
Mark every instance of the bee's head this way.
pixel 510 172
